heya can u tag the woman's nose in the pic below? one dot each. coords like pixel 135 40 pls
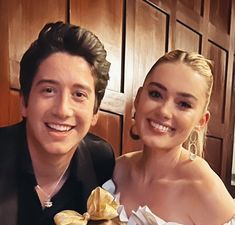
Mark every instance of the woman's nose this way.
pixel 63 107
pixel 166 110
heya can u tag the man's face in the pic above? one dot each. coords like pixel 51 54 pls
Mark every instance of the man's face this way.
pixel 60 107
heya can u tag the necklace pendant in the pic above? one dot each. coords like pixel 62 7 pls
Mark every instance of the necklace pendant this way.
pixel 48 203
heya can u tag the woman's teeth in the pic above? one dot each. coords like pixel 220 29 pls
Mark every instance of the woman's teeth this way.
pixel 160 127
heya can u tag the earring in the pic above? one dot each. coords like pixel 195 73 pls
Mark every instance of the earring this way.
pixel 193 144
pixel 133 135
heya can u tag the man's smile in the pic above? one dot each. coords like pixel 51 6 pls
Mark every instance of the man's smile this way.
pixel 59 127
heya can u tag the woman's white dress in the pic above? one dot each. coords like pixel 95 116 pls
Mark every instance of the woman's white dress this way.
pixel 143 216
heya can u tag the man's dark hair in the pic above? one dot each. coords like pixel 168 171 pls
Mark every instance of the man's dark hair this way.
pixel 71 39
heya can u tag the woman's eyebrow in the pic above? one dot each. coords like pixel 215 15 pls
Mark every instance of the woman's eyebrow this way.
pixel 187 95
pixel 158 85
pixel 182 94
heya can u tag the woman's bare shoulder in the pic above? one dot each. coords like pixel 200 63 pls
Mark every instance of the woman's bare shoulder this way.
pixel 198 170
pixel 127 159
pixel 124 164
pixel 212 201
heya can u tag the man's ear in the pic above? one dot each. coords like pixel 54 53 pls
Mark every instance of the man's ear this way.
pixel 204 120
pixel 95 119
pixel 137 97
pixel 23 106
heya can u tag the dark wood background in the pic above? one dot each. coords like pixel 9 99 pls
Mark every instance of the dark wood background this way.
pixel 135 33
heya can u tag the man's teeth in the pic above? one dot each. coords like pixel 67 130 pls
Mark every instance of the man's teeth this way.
pixel 59 127
pixel 160 127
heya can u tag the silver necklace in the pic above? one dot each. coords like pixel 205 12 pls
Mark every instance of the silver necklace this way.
pixel 48 203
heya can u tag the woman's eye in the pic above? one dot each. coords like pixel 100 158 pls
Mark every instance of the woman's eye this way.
pixel 185 105
pixel 155 94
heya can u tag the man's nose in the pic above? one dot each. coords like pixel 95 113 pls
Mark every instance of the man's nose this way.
pixel 63 106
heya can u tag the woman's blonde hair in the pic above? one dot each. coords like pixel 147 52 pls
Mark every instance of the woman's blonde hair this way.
pixel 203 67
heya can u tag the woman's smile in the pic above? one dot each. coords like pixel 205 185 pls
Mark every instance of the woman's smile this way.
pixel 160 127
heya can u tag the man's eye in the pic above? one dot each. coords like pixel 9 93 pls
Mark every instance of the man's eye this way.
pixel 79 94
pixel 48 90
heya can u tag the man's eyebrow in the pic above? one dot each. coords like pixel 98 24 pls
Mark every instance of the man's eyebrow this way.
pixel 44 81
pixel 84 87
pixel 182 94
pixel 54 82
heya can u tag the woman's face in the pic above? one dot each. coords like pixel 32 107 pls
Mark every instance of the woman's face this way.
pixel 170 105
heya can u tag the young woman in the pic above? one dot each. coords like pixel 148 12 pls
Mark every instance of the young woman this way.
pixel 168 175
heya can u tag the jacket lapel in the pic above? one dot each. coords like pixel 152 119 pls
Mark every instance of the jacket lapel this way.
pixel 84 170
pixel 12 140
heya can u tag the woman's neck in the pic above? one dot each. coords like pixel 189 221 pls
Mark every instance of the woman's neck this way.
pixel 158 164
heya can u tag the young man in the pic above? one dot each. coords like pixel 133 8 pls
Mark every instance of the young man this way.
pixel 49 161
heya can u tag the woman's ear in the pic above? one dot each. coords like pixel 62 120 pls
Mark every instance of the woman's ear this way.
pixel 204 120
pixel 137 97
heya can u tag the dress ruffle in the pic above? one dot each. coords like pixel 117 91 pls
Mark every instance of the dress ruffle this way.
pixel 231 222
pixel 143 216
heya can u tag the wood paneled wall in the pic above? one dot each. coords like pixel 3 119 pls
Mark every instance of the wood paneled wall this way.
pixel 135 33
